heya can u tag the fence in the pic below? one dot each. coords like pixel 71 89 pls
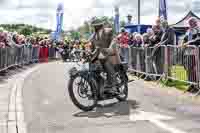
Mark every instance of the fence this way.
pixel 169 62
pixel 16 56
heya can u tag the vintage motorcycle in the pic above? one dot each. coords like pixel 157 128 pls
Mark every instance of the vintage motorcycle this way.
pixel 87 84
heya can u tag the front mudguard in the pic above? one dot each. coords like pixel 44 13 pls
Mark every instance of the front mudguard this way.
pixel 87 76
pixel 73 72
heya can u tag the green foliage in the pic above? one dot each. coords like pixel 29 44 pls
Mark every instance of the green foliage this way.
pixel 178 72
pixel 122 23
pixel 25 29
pixel 180 85
pixel 85 30
pixel 75 35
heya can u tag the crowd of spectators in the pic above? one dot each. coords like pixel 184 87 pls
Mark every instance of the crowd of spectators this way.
pixel 161 34
pixel 18 50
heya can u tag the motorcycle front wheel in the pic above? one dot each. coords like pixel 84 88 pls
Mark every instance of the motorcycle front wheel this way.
pixel 82 93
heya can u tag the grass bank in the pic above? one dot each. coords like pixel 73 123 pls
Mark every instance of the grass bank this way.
pixel 178 72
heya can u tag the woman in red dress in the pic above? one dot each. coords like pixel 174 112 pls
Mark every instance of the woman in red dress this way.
pixel 42 50
pixel 46 50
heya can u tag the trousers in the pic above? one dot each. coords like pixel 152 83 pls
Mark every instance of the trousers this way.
pixel 109 68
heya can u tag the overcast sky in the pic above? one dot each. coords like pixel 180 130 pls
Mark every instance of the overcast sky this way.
pixel 43 12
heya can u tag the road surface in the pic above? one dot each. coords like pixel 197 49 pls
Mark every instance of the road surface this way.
pixel 149 109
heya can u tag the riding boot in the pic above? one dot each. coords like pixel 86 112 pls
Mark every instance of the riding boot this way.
pixel 111 81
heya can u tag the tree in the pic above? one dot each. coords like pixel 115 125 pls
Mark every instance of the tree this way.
pixel 122 23
pixel 26 31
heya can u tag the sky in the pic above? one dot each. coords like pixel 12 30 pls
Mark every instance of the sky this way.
pixel 42 13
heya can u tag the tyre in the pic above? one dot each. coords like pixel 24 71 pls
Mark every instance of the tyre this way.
pixel 84 86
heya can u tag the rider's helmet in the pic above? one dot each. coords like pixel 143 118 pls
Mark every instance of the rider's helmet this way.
pixel 97 22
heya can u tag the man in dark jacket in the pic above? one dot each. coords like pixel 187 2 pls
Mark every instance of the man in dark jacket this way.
pixel 168 37
pixel 101 41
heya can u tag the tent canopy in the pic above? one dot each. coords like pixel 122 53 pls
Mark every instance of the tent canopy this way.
pixel 181 26
pixel 134 28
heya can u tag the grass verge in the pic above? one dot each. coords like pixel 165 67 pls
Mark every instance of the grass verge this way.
pixel 177 84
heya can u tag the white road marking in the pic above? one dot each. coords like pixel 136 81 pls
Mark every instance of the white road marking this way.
pixel 166 127
pixel 155 119
pixel 45 102
pixel 16 113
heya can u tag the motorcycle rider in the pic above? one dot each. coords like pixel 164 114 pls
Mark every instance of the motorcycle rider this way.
pixel 103 50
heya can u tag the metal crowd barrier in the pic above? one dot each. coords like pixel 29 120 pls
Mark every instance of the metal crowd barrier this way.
pixel 14 56
pixel 171 62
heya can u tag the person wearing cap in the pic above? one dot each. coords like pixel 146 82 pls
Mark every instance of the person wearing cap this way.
pixel 192 37
pixel 129 18
pixel 103 49
pixel 168 37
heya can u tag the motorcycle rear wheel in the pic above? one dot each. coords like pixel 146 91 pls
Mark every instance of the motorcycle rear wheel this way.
pixel 81 93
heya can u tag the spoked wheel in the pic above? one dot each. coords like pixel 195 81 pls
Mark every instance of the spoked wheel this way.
pixel 122 89
pixel 81 92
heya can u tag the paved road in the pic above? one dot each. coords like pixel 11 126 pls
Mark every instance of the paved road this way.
pixel 149 109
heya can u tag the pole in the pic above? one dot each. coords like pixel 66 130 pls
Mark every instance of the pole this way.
pixel 116 20
pixel 139 16
pixel 138 12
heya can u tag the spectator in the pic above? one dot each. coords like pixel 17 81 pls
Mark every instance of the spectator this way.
pixel 158 22
pixel 192 37
pixel 17 42
pixel 29 49
pixel 140 65
pixel 149 66
pixel 131 41
pixel 146 41
pixel 138 40
pixel 124 40
pixel 133 51
pixel 156 37
pixel 154 40
pixel 3 49
pixel 168 37
pixel 150 32
pixel 35 49
pixel 46 50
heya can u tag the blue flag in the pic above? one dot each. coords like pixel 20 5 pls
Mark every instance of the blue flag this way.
pixel 162 9
pixel 59 18
pixel 116 21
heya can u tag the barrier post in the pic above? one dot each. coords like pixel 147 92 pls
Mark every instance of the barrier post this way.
pixel 147 67
pixel 6 57
pixel 1 58
pixel 166 62
pixel 130 58
pixel 137 61
pixel 197 69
